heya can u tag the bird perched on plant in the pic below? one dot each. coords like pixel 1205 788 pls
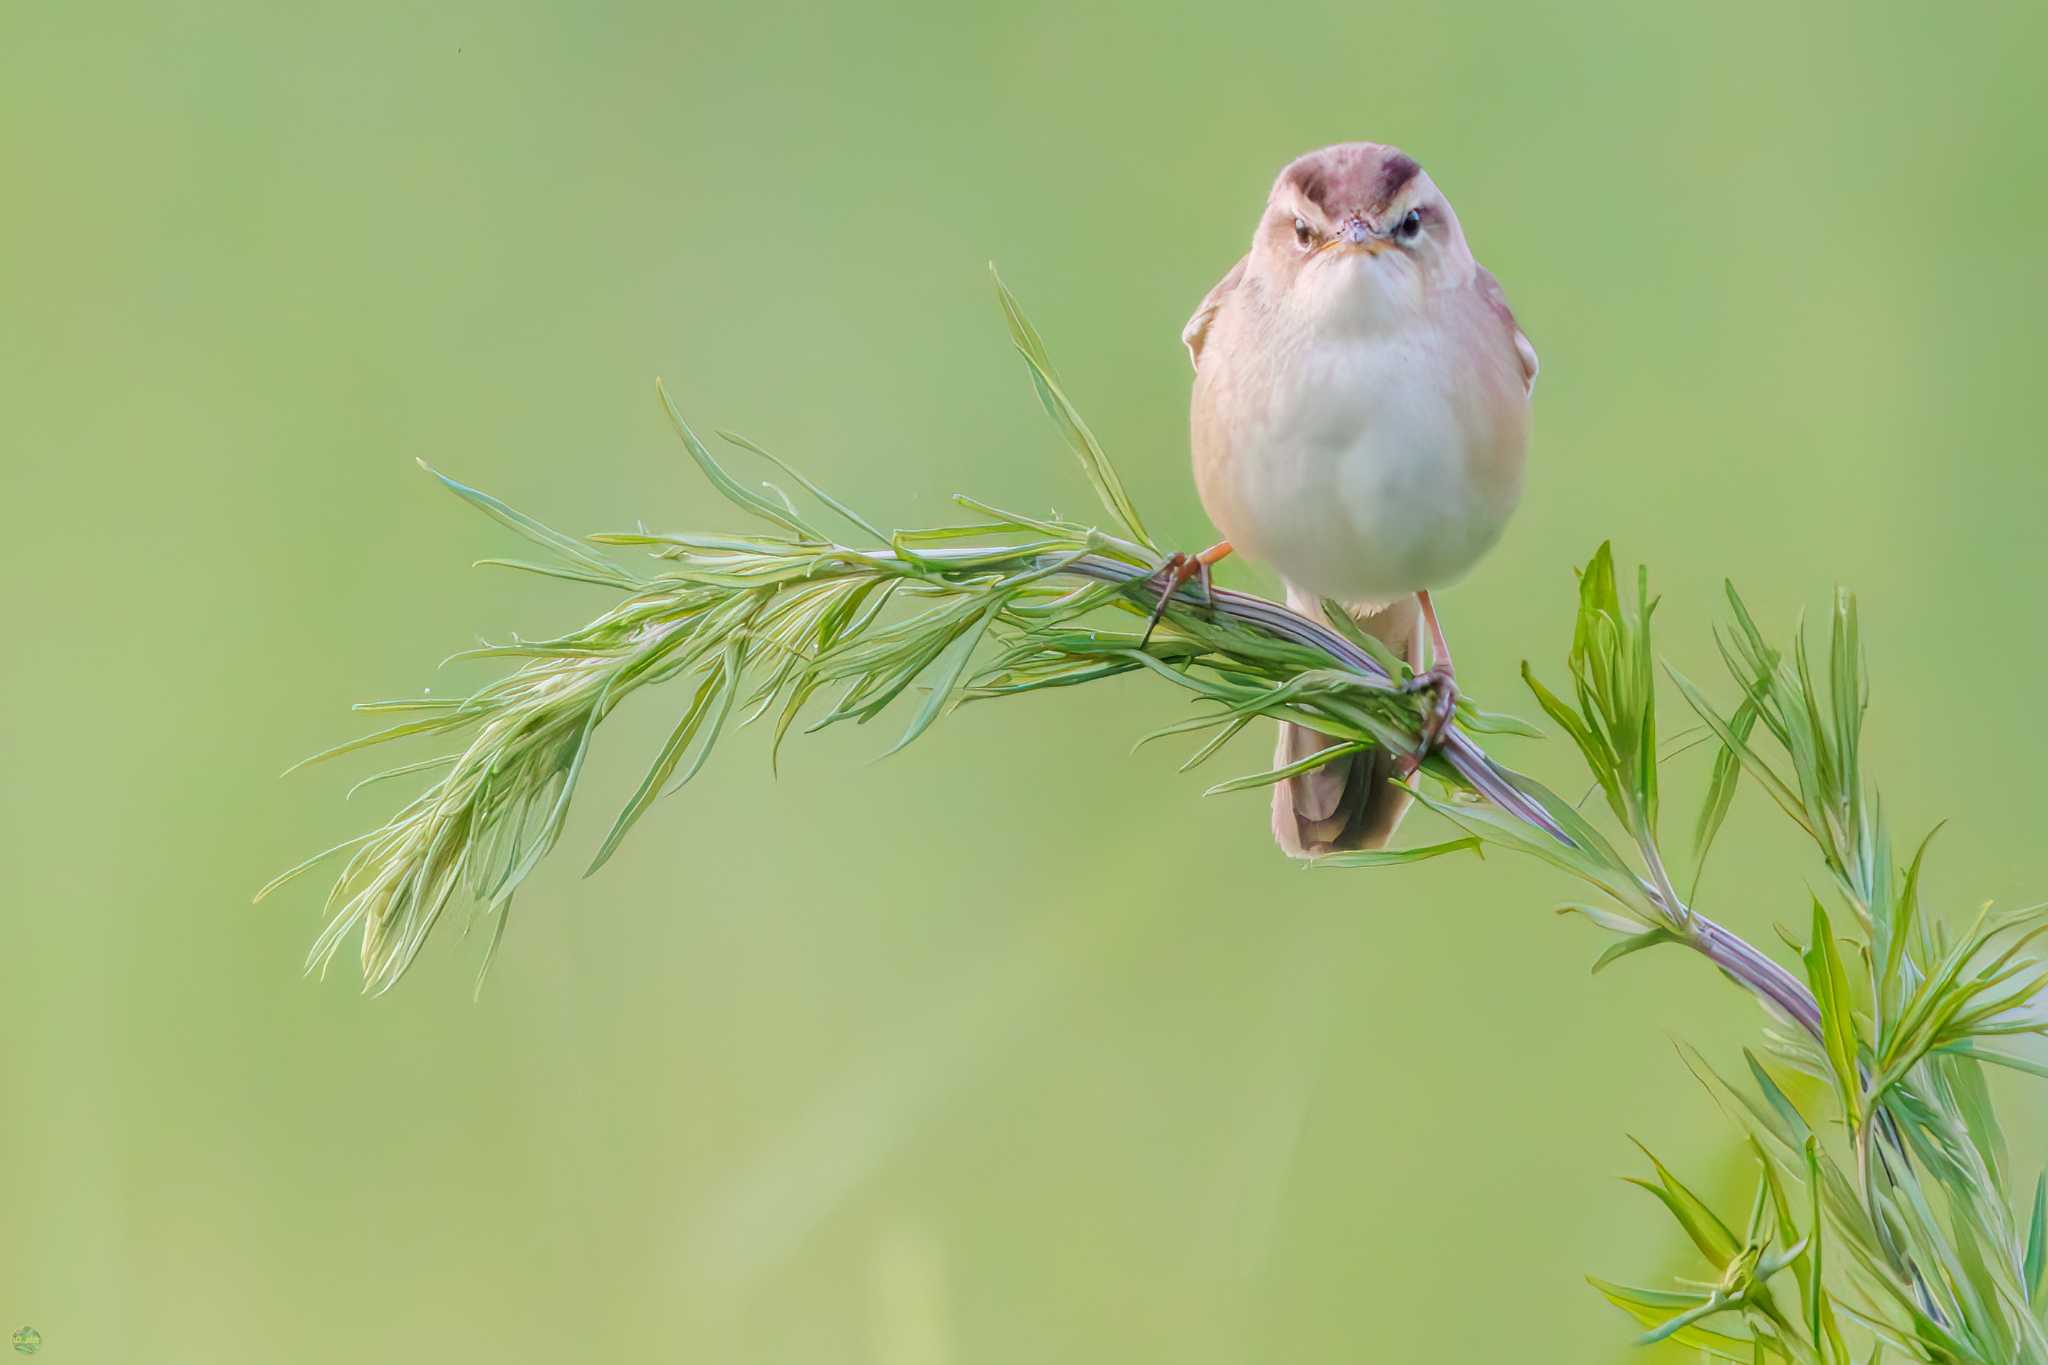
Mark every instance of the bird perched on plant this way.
pixel 1360 413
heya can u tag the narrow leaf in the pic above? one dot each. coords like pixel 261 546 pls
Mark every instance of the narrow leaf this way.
pixel 716 690
pixel 1642 1305
pixel 1712 1236
pixel 1391 857
pixel 1635 943
pixel 813 489
pixel 735 492
pixel 567 546
pixel 1301 765
pixel 2037 1238
pixel 1720 788
pixel 951 665
pixel 1824 972
pixel 1094 462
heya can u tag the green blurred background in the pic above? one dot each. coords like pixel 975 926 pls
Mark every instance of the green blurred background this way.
pixel 1076 1068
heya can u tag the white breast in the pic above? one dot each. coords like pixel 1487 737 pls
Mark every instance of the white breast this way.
pixel 1367 466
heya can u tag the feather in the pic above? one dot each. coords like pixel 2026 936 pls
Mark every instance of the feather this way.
pixel 1196 332
pixel 1351 803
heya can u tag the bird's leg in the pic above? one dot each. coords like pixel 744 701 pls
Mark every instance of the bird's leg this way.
pixel 1179 568
pixel 1439 645
pixel 1440 679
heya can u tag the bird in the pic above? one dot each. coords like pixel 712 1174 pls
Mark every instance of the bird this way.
pixel 1359 423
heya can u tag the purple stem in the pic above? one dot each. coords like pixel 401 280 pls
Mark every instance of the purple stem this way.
pixel 1725 949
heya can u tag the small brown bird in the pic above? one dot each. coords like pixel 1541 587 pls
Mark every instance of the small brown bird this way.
pixel 1360 413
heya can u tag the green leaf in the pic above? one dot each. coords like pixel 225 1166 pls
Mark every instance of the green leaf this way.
pixel 1635 943
pixel 1584 836
pixel 1598 596
pixel 813 489
pixel 1721 785
pixel 1286 770
pixel 2004 1059
pixel 1820 1316
pixel 1845 678
pixel 1480 722
pixel 432 725
pixel 1830 984
pixel 1228 731
pixel 1339 618
pixel 1712 1236
pixel 1969 1094
pixel 1738 745
pixel 1494 827
pixel 1754 1116
pixel 1717 1302
pixel 1393 857
pixel 1094 462
pixel 1643 704
pixel 568 573
pixel 1650 1307
pixel 1781 1104
pixel 402 770
pixel 1892 937
pixel 1599 756
pixel 714 697
pixel 1601 917
pixel 951 665
pixel 739 495
pixel 567 546
pixel 2037 1238
pixel 297 870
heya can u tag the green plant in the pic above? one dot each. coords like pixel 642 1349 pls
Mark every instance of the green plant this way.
pixel 1881 1217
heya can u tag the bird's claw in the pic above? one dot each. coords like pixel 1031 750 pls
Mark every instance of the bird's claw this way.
pixel 1442 684
pixel 1179 568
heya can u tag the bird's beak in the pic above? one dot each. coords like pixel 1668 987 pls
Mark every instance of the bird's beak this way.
pixel 1357 235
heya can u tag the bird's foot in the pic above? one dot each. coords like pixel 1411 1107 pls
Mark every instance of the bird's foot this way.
pixel 1442 685
pixel 1181 568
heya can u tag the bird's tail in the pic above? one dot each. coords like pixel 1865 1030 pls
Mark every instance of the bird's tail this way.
pixel 1350 803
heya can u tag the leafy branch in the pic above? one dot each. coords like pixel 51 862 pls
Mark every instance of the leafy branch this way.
pixel 1889 1212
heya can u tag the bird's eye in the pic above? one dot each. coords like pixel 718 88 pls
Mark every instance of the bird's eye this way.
pixel 1303 233
pixel 1411 226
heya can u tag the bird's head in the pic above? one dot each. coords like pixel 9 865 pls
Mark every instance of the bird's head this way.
pixel 1359 227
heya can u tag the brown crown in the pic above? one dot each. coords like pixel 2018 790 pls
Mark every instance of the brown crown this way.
pixel 1351 177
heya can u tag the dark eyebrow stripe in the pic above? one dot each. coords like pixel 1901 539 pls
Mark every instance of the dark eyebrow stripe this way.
pixel 1394 176
pixel 1310 183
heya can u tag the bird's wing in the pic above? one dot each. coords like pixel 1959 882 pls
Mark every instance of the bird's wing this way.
pixel 1197 331
pixel 1497 299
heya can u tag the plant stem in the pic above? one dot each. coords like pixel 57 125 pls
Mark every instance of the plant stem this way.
pixel 1724 948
